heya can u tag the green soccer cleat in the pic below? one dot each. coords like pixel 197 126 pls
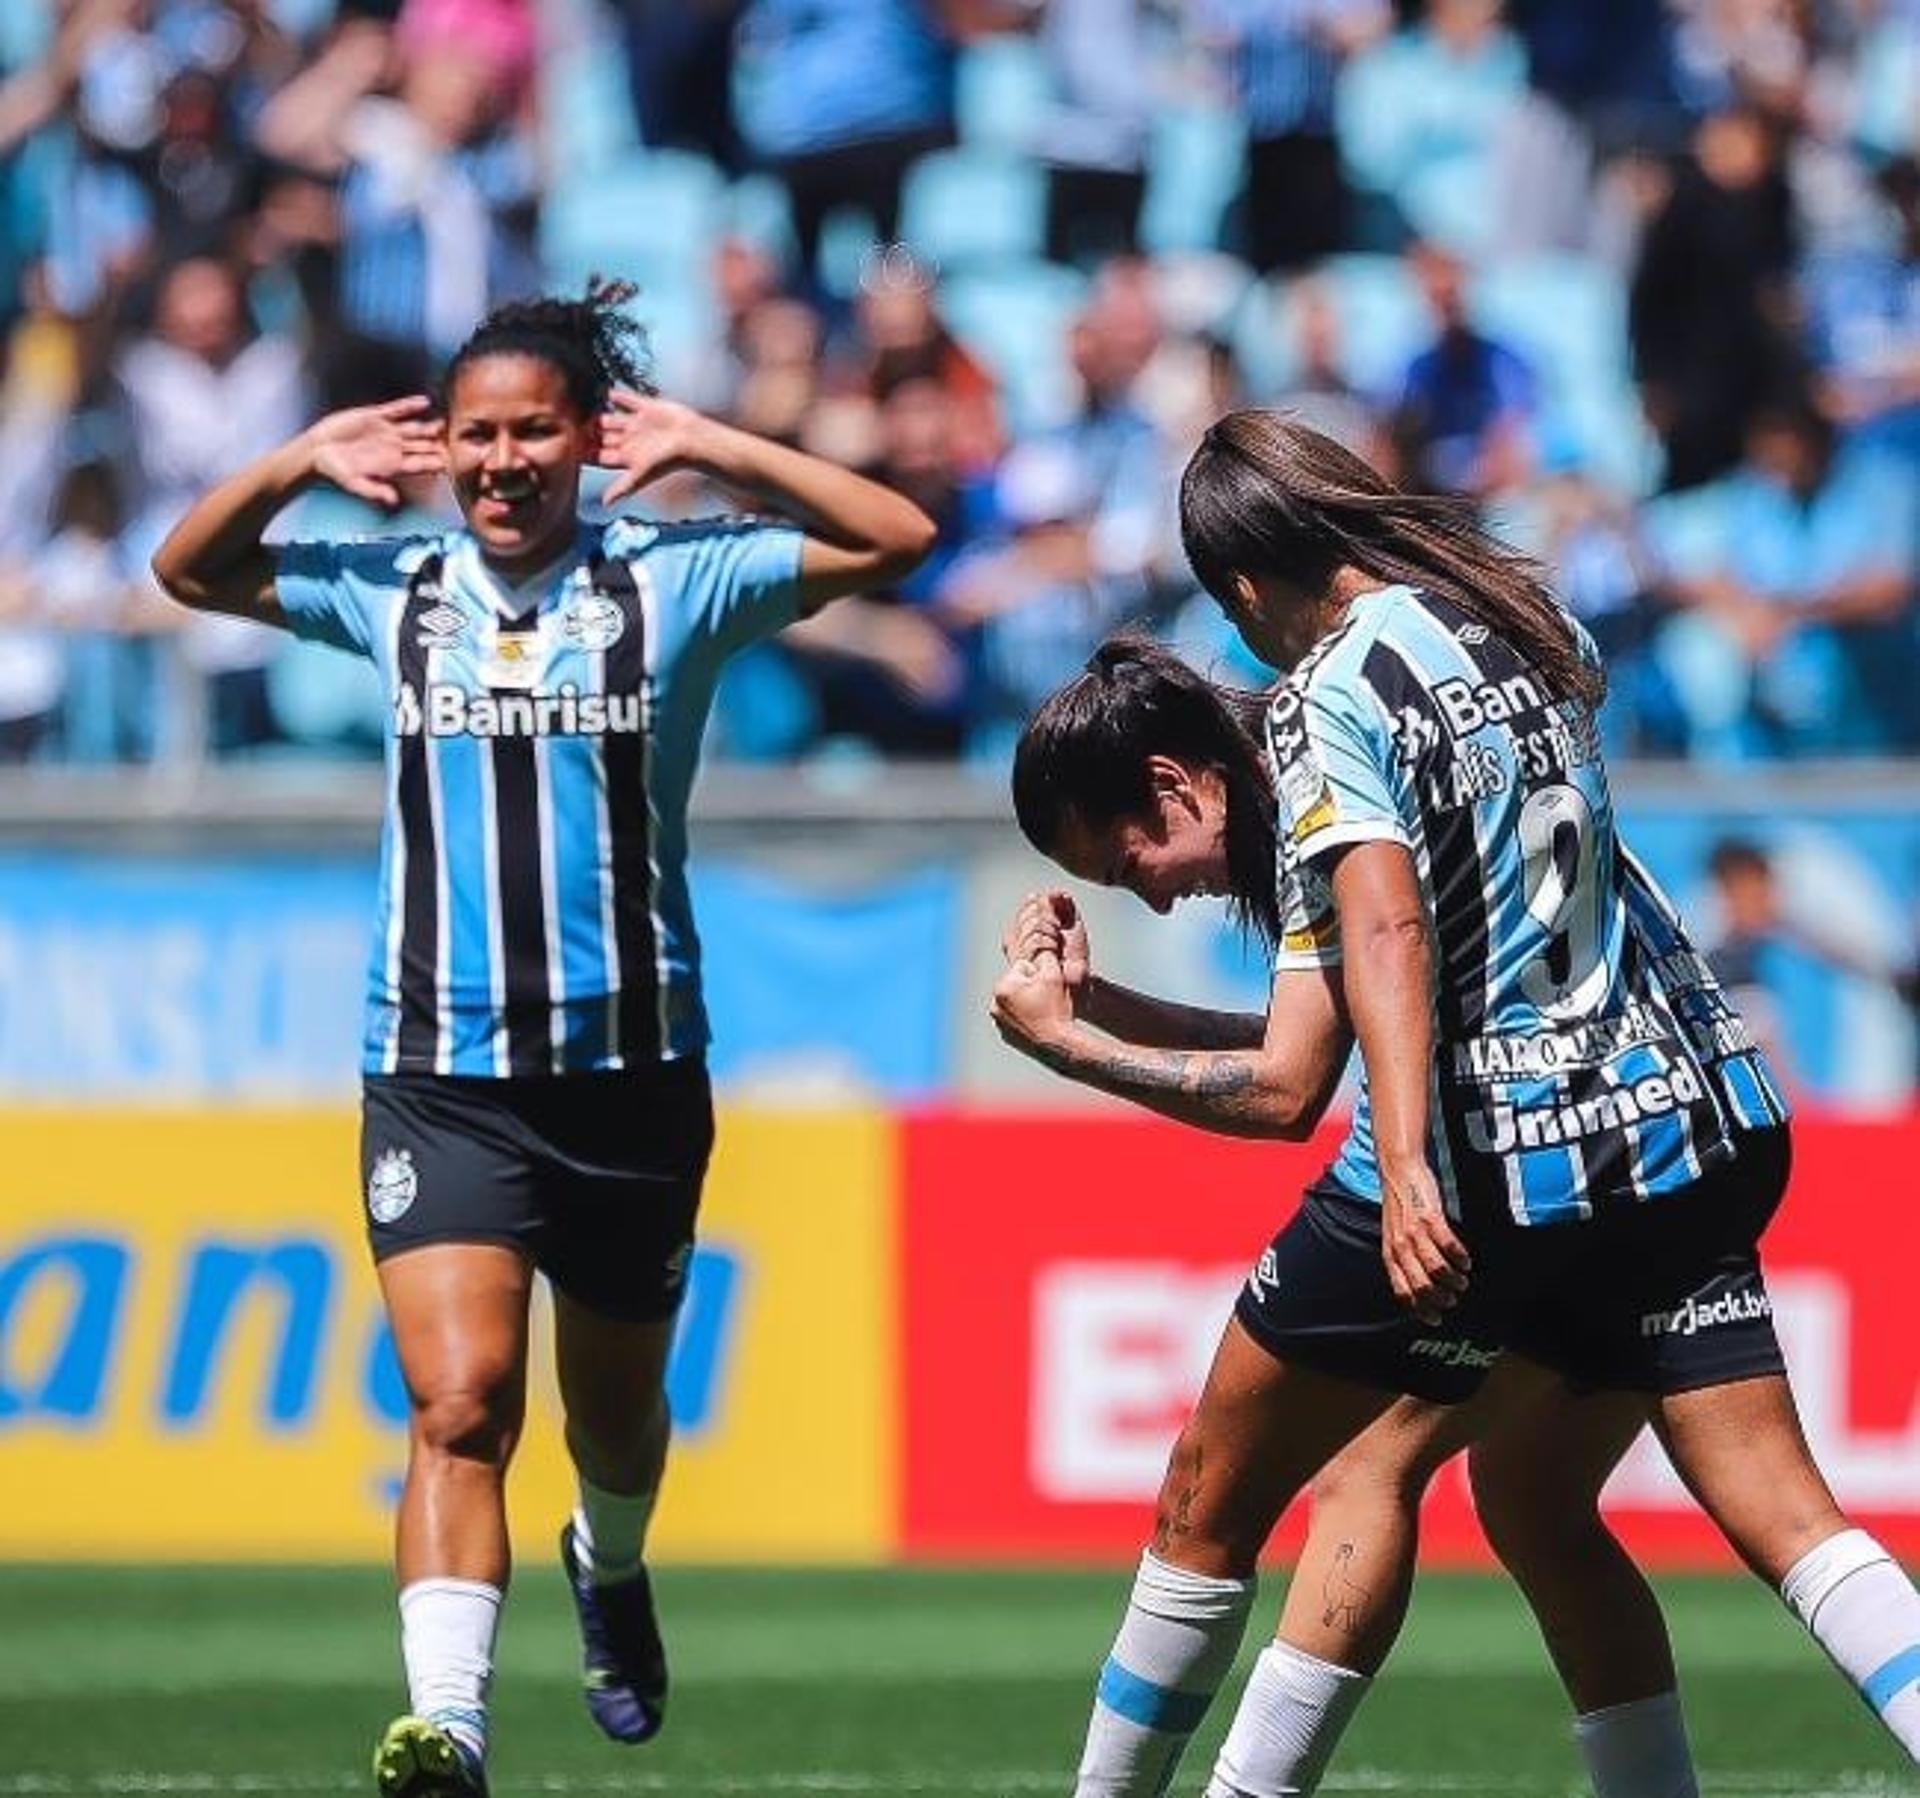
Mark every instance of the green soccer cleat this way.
pixel 418 1759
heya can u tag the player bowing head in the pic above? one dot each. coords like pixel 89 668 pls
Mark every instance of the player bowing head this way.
pixel 1139 773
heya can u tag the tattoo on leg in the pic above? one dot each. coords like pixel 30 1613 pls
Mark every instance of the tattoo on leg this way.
pixel 1344 1598
pixel 1180 1522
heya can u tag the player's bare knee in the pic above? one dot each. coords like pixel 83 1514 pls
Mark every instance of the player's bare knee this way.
pixel 467 1423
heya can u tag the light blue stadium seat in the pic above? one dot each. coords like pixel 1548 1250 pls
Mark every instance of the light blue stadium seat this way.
pixel 1197 163
pixel 1687 532
pixel 1001 89
pixel 586 111
pixel 1015 319
pixel 1450 200
pixel 969 207
pixel 651 217
pixel 325 701
pixel 26 31
pixel 1384 322
pixel 1566 313
pixel 757 210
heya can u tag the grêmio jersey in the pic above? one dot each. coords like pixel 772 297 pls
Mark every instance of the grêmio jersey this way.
pixel 1584 1057
pixel 533 915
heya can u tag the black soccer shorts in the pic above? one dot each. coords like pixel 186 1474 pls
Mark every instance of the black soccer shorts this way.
pixel 597 1177
pixel 1660 1297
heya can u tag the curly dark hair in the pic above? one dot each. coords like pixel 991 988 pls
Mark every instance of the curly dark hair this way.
pixel 593 341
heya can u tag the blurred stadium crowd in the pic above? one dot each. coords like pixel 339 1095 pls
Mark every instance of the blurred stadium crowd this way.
pixel 1642 278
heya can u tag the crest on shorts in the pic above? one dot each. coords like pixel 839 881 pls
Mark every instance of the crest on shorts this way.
pixel 593 622
pixel 392 1186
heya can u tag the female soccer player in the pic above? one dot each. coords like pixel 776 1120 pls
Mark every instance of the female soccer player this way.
pixel 536 1095
pixel 1141 773
pixel 1566 1142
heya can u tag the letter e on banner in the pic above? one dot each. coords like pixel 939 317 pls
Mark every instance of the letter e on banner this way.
pixel 1119 1352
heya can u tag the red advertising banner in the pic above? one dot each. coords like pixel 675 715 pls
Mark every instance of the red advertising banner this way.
pixel 1065 1280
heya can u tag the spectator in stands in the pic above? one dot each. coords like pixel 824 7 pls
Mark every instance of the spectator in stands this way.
pixel 1103 57
pixel 903 337
pixel 436 181
pixel 1282 60
pixel 1863 309
pixel 1708 304
pixel 1319 393
pixel 1466 402
pixel 1605 575
pixel 201 395
pixel 743 276
pixel 1746 901
pixel 680 74
pixel 1420 117
pixel 1791 640
pixel 840 101
pixel 895 670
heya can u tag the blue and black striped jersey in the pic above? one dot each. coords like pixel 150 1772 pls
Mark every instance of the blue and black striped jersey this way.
pixel 1584 1056
pixel 533 915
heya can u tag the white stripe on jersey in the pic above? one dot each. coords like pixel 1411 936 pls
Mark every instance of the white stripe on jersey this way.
pixel 549 904
pixel 396 845
pixel 650 646
pixel 442 909
pixel 603 844
pixel 496 922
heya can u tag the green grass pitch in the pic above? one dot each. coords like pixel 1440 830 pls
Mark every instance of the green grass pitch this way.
pixel 939 1683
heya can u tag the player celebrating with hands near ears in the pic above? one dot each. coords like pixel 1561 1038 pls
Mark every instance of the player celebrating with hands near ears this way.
pixel 1566 1144
pixel 536 1095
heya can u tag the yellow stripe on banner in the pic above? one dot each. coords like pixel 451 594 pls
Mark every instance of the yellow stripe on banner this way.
pixel 193 1361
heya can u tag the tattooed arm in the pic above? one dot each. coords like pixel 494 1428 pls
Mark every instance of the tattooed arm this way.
pixel 1050 921
pixel 1277 1086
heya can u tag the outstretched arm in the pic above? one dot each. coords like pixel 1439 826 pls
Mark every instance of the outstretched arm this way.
pixel 859 534
pixel 214 559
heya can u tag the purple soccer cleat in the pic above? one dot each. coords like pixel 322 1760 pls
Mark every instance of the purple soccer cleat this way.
pixel 624 1665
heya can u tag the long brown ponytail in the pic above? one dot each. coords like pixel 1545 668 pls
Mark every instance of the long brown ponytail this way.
pixel 1265 494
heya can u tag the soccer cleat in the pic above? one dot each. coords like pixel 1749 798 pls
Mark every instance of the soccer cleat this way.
pixel 624 1663
pixel 418 1759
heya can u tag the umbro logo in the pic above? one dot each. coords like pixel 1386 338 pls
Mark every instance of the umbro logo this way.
pixel 1472 634
pixel 440 626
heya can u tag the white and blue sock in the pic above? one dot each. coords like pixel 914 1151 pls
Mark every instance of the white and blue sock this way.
pixel 446 1639
pixel 1292 1715
pixel 1177 1641
pixel 1859 1605
pixel 610 1532
pixel 1638 1749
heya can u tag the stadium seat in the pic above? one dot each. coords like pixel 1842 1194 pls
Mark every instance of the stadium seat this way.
pixel 1451 200
pixel 326 703
pixel 586 112
pixel 1001 89
pixel 26 29
pixel 1566 313
pixel 969 207
pixel 1015 320
pixel 651 216
pixel 1687 531
pixel 1196 164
